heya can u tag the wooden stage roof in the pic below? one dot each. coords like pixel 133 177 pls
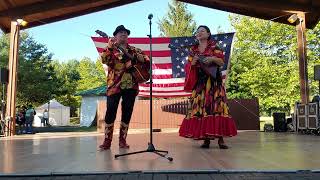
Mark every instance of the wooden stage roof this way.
pixel 276 10
pixel 40 12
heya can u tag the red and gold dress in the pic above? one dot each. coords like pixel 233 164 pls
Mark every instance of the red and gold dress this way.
pixel 208 113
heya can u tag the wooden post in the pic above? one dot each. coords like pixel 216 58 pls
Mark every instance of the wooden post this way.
pixel 302 54
pixel 12 81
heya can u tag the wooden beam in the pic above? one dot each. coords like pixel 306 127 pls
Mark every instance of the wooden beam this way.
pixel 253 12
pixel 12 81
pixel 267 12
pixel 78 13
pixel 272 4
pixel 5 29
pixel 46 20
pixel 263 4
pixel 302 54
pixel 8 3
pixel 42 6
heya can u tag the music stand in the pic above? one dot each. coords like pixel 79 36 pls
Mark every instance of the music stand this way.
pixel 151 147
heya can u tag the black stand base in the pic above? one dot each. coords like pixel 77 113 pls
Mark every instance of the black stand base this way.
pixel 150 149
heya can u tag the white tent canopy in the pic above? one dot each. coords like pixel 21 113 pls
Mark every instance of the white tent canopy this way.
pixel 89 109
pixel 59 115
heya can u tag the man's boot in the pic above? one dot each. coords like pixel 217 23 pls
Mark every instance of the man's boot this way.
pixel 108 137
pixel 123 135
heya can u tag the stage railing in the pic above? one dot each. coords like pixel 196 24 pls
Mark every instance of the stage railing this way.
pixel 169 113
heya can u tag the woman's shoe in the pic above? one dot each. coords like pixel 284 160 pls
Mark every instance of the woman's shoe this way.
pixel 223 146
pixel 206 144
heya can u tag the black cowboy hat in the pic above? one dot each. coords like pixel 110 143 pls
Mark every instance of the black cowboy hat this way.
pixel 121 28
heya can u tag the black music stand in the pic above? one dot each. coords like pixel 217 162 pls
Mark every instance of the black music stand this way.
pixel 151 147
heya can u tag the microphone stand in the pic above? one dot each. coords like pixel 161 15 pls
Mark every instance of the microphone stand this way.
pixel 151 147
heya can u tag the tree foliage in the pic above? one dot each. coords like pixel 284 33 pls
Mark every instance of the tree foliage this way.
pixel 265 63
pixel 91 74
pixel 178 21
pixel 33 72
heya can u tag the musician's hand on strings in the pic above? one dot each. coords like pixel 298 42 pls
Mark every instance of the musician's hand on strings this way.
pixel 207 60
pixel 213 60
pixel 111 42
pixel 128 64
pixel 195 60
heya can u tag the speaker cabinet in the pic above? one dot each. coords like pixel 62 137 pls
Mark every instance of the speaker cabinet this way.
pixel 279 122
pixel 313 115
pixel 317 72
pixel 4 75
pixel 302 116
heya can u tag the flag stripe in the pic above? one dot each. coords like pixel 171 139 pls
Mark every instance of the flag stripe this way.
pixel 163 85
pixel 143 47
pixel 154 53
pixel 161 60
pixel 156 40
pixel 159 53
pixel 161 91
pixel 163 76
pixel 162 66
pixel 165 94
pixel 167 89
pixel 161 71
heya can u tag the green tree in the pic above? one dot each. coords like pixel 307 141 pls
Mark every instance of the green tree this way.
pixel 178 21
pixel 41 79
pixel 91 74
pixel 34 70
pixel 265 64
pixel 68 79
pixel 36 76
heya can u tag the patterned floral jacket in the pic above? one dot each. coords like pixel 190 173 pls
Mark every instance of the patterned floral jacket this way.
pixel 118 64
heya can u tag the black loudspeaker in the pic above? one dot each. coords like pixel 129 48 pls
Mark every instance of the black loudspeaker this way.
pixel 279 122
pixel 317 72
pixel 4 75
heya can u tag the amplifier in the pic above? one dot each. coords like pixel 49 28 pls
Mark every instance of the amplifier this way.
pixel 313 112
pixel 302 116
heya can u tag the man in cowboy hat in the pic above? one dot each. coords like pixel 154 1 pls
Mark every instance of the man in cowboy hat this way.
pixel 120 83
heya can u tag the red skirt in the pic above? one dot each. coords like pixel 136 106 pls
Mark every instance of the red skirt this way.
pixel 208 127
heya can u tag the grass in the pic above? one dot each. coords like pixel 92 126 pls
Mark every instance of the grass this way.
pixel 65 129
pixel 75 121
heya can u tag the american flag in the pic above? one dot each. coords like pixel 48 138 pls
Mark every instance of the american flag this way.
pixel 168 64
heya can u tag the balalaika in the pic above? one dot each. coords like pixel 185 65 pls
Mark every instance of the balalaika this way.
pixel 140 71
pixel 210 70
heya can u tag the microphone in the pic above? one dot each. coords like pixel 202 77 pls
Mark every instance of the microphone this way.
pixel 150 16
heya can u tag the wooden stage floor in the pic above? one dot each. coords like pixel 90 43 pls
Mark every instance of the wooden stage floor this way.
pixel 77 153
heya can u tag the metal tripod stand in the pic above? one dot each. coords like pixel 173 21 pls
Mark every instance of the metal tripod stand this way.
pixel 151 147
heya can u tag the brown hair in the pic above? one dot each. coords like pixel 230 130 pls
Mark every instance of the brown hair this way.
pixel 207 29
